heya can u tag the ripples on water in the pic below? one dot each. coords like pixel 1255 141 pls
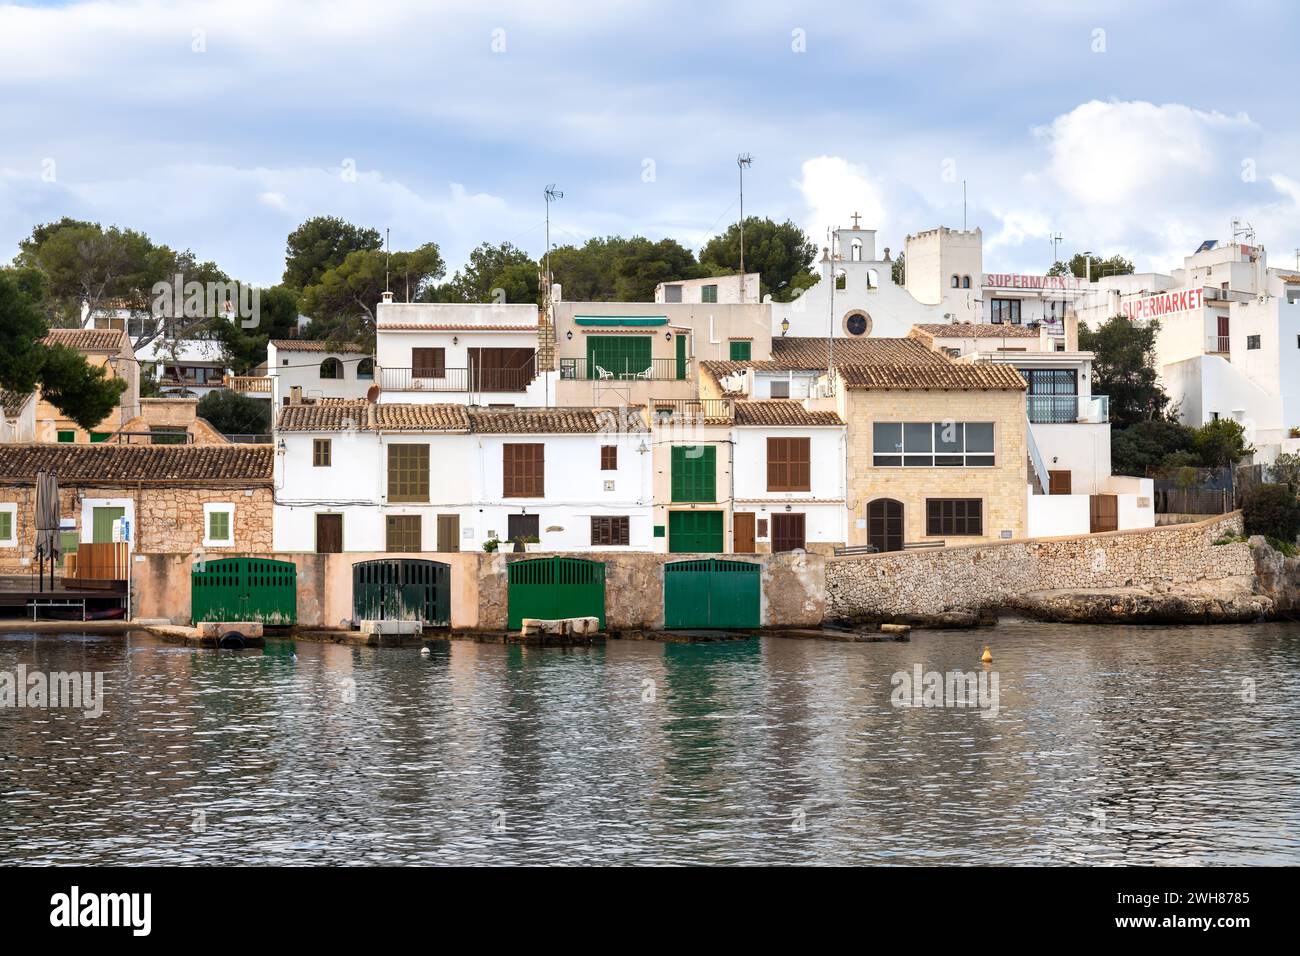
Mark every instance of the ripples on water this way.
pixel 307 753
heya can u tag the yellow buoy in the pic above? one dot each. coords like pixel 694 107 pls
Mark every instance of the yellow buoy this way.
pixel 987 658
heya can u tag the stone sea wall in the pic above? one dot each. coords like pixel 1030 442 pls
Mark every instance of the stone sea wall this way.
pixel 1153 574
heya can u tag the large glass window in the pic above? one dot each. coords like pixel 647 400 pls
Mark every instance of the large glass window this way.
pixel 933 444
pixel 1005 310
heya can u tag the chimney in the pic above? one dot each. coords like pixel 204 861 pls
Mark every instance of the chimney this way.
pixel 387 298
pixel 295 395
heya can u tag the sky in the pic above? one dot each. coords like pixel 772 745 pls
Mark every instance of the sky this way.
pixel 1138 129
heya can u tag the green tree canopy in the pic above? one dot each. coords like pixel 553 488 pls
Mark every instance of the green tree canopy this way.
pixel 320 244
pixel 781 253
pixel 1145 447
pixel 1124 369
pixel 67 381
pixel 342 304
pixel 233 414
pixel 491 267
pixel 1078 266
pixel 245 349
pixel 614 269
pixel 1220 443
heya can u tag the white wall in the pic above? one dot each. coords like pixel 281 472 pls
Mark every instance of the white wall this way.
pixel 729 289
pixel 1052 516
pixel 1081 449
pixel 288 367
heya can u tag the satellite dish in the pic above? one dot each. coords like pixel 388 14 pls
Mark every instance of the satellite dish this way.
pixel 372 394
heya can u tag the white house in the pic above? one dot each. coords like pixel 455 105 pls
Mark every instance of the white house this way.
pixel 721 290
pixel 17 417
pixel 355 476
pixel 317 369
pixel 475 354
pixel 790 486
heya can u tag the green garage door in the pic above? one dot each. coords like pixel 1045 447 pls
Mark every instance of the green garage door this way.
pixel 245 589
pixel 711 592
pixel 550 588
pixel 692 532
pixel 402 589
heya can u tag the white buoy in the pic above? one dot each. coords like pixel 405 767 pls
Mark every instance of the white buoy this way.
pixel 424 651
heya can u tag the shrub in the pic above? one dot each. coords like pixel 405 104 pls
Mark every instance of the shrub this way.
pixel 1273 511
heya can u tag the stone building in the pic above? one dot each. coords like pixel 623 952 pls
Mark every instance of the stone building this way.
pixel 177 498
pixel 109 349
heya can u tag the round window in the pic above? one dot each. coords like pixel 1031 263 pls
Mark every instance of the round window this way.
pixel 857 323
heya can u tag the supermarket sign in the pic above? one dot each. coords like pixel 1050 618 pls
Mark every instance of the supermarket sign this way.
pixel 1163 303
pixel 1008 280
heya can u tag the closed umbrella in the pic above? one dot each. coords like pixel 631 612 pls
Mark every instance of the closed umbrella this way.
pixel 47 521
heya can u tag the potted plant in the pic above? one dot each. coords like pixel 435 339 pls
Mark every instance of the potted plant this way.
pixel 491 545
pixel 532 543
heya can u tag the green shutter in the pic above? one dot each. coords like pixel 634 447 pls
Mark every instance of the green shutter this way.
pixel 694 472
pixel 101 528
pixel 68 543
pixel 97 437
pixel 68 438
pixel 621 355
pixel 6 525
pixel 741 351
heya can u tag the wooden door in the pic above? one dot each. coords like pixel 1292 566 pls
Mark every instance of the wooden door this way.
pixel 1103 513
pixel 448 532
pixel 787 532
pixel 742 532
pixel 1059 483
pixel 885 524
pixel 329 534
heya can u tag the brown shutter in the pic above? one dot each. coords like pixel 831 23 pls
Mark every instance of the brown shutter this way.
pixel 429 363
pixel 523 470
pixel 789 464
pixel 787 532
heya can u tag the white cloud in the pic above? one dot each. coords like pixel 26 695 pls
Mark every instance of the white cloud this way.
pixel 833 189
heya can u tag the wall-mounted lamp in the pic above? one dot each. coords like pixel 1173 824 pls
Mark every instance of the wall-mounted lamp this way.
pixel 668 335
pixel 455 340
pixel 785 326
pixel 787 507
pixel 569 334
pixel 280 447
pixel 642 449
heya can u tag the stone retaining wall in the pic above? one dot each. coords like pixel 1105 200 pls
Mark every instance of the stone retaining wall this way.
pixel 906 584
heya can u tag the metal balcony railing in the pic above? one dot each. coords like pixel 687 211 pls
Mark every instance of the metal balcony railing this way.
pixel 1218 344
pixel 666 410
pixel 455 379
pixel 657 370
pixel 1063 409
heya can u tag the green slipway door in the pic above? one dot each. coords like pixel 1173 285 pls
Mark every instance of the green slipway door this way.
pixel 711 593
pixel 245 589
pixel 551 588
pixel 402 589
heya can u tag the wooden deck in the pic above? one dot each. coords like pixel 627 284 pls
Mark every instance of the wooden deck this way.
pixel 75 599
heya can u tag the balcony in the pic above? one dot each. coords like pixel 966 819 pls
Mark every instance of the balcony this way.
pixel 658 370
pixel 455 379
pixel 249 384
pixel 1068 409
pixel 670 410
pixel 1218 345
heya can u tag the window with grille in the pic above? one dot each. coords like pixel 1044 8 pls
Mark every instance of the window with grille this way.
pixel 523 470
pixel 694 469
pixel 429 363
pixel 408 472
pixel 402 532
pixel 789 464
pixel 954 516
pixel 321 452
pixel 609 531
pixel 608 457
pixel 933 444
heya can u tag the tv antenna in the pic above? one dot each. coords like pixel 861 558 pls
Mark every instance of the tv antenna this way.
pixel 552 194
pixel 1055 239
pixel 743 160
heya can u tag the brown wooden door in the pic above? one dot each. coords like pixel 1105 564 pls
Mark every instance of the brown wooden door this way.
pixel 1059 483
pixel 742 532
pixel 1103 513
pixel 885 524
pixel 329 534
pixel 501 370
pixel 448 532
pixel 787 532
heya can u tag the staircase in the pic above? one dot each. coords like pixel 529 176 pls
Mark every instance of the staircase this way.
pixel 545 331
pixel 1036 467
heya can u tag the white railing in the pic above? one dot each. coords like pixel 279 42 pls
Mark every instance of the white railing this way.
pixel 1036 459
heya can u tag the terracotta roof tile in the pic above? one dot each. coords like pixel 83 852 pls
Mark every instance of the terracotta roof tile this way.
pixel 109 464
pixel 808 354
pixel 318 345
pixel 332 417
pixel 89 340
pixel 551 421
pixel 980 330
pixel 432 327
pixel 423 418
pixel 13 402
pixel 782 412
pixel 949 375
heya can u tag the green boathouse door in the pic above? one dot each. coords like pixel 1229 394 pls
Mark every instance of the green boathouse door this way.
pixel 711 593
pixel 550 588
pixel 402 589
pixel 245 589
